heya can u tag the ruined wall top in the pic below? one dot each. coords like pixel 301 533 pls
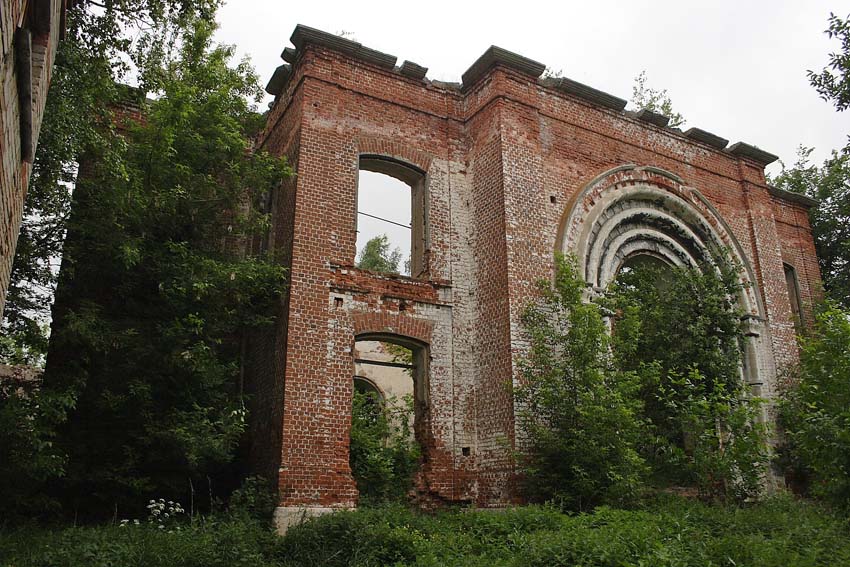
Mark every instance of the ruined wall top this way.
pixel 497 57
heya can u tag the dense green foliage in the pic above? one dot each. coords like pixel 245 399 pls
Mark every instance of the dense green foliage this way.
pixel 383 454
pixel 101 46
pixel 93 58
pixel 829 184
pixel 667 533
pixel 155 291
pixel 680 331
pixel 213 542
pixel 662 396
pixel 815 411
pixel 582 418
pixel 377 256
pixel 28 459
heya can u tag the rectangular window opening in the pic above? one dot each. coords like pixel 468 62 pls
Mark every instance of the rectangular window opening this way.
pixel 794 296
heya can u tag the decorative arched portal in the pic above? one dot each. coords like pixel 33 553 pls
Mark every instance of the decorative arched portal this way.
pixel 633 211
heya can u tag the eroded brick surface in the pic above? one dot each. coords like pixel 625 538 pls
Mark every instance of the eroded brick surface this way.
pixel 505 159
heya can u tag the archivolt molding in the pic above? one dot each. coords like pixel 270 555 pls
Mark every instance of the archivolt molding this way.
pixel 632 210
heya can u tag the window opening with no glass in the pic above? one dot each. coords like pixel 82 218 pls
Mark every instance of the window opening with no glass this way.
pixel 390 217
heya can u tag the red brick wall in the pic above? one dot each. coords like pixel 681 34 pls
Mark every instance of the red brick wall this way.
pixel 14 171
pixel 503 158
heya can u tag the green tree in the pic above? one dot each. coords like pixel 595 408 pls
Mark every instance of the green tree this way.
pixel 645 97
pixel 833 82
pixel 377 256
pixel 680 330
pixel 580 417
pixel 28 458
pixel 155 291
pixel 91 60
pixel 815 412
pixel 829 184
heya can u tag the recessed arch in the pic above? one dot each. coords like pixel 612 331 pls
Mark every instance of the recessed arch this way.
pixel 366 385
pixel 419 371
pixel 633 210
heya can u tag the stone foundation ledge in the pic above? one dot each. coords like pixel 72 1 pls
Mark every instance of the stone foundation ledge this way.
pixel 287 516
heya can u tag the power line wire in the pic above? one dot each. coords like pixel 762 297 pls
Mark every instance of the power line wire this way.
pixel 383 219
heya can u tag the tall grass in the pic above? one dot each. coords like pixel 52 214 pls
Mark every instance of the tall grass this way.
pixel 668 532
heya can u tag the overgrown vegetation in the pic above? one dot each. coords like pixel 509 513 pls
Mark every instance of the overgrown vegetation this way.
pixel 156 289
pixel 666 533
pixel 383 453
pixel 98 53
pixel 148 336
pixel 680 330
pixel 815 410
pixel 662 402
pixel 582 417
pixel 645 97
pixel 28 423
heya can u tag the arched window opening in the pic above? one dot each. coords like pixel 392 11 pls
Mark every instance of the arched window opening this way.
pixel 386 433
pixel 386 369
pixel 694 345
pixel 364 385
pixel 391 217
pixel 678 330
pixel 649 263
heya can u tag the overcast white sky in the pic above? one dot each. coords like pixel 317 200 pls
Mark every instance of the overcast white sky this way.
pixel 736 69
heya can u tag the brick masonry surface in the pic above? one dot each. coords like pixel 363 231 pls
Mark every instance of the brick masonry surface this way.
pixel 44 19
pixel 505 157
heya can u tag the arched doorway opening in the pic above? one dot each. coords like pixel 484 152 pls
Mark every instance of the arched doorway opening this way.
pixel 389 415
pixel 633 215
pixel 696 313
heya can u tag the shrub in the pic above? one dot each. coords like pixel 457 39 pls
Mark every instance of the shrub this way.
pixel 680 330
pixel 668 532
pixel 28 458
pixel 256 498
pixel 581 418
pixel 816 412
pixel 210 542
pixel 382 453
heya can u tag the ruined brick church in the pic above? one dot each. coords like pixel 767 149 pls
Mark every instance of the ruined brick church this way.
pixel 505 169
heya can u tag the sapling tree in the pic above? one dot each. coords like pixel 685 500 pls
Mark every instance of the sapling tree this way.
pixel 815 411
pixel 580 418
pixel 378 256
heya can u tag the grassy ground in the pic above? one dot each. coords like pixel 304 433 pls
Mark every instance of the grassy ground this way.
pixel 670 532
